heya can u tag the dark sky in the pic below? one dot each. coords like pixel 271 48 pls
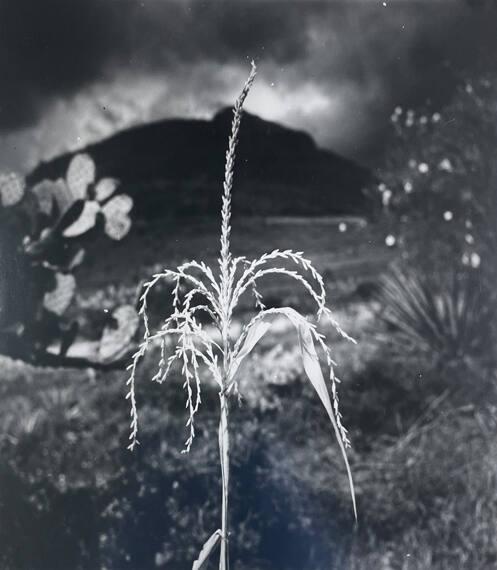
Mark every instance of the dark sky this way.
pixel 74 71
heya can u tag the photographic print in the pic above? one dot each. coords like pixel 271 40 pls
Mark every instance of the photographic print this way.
pixel 248 310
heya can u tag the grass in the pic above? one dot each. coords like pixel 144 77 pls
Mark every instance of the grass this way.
pixel 344 258
pixel 424 470
pixel 423 462
pixel 441 479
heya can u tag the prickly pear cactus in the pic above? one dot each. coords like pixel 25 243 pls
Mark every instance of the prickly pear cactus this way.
pixel 85 221
pixel 11 189
pixel 115 341
pixel 117 220
pixel 40 249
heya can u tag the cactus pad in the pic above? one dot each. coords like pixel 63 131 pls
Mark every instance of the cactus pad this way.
pixel 77 259
pixel 45 196
pixel 11 189
pixel 117 221
pixel 80 174
pixel 57 300
pixel 86 220
pixel 48 190
pixel 115 341
pixel 105 188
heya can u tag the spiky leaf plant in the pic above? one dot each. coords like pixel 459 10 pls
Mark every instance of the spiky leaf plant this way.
pixel 449 318
pixel 216 293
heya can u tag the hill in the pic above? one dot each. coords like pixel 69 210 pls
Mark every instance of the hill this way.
pixel 174 167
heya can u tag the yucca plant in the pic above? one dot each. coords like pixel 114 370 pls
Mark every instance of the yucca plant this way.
pixel 450 318
pixel 216 293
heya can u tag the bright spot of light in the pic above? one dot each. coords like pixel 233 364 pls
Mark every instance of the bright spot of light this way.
pixel 475 260
pixel 446 165
pixel 276 103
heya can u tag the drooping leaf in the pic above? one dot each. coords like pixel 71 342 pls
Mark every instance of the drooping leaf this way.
pixel 105 188
pixel 85 221
pixel 12 189
pixel 80 174
pixel 59 299
pixel 117 221
pixel 256 332
pixel 206 551
pixel 115 341
pixel 312 368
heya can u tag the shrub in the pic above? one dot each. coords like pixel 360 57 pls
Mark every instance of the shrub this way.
pixel 438 189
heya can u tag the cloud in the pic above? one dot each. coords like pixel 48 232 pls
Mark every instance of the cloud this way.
pixel 75 71
pixel 55 48
pixel 49 49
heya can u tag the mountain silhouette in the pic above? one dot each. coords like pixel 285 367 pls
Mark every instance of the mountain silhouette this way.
pixel 175 167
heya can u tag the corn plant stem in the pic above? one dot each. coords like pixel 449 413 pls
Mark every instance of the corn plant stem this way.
pixel 224 453
pixel 225 300
pixel 224 450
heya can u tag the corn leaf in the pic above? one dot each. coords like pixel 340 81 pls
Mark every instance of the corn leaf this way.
pixel 206 551
pixel 256 332
pixel 313 371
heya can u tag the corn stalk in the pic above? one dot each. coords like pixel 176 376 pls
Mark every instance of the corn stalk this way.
pixel 218 294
